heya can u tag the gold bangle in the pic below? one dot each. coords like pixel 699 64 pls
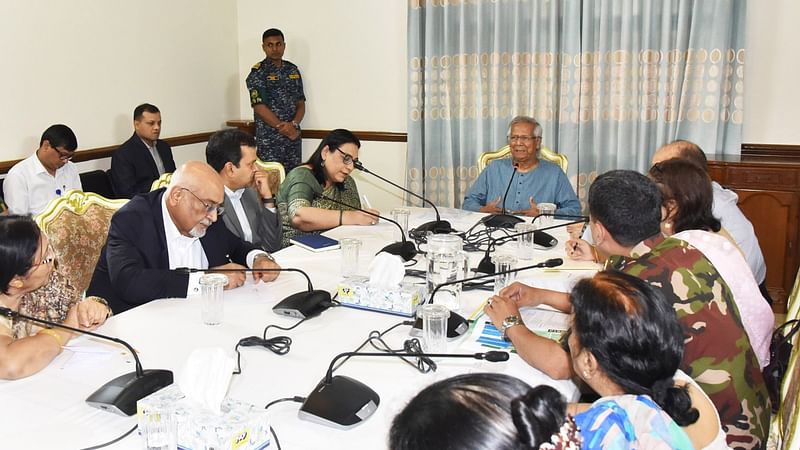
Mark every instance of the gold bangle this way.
pixel 51 332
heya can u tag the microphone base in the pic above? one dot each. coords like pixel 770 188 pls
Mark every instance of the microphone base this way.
pixel 435 226
pixel 120 394
pixel 303 304
pixel 456 326
pixel 501 221
pixel 485 266
pixel 342 403
pixel 406 250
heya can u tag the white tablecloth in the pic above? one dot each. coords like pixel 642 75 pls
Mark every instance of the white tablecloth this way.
pixel 48 410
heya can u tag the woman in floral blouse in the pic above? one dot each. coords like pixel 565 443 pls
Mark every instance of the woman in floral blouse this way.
pixel 30 285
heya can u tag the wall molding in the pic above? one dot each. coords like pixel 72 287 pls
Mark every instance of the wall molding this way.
pixel 773 152
pixel 105 152
pixel 376 136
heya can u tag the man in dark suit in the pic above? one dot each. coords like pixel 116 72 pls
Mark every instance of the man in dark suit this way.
pixel 167 229
pixel 249 202
pixel 142 158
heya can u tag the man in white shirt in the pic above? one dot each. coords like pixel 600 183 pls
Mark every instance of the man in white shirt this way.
pixel 47 174
pixel 167 229
pixel 725 208
pixel 249 202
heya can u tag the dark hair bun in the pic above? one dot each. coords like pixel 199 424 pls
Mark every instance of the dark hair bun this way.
pixel 538 415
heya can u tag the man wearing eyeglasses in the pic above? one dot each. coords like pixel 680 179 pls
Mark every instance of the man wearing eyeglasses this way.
pixel 171 228
pixel 276 94
pixel 47 174
pixel 534 181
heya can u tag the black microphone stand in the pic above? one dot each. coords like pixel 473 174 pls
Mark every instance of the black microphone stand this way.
pixel 301 305
pixel 458 325
pixel 120 394
pixel 503 220
pixel 404 249
pixel 344 402
pixel 487 266
pixel 437 226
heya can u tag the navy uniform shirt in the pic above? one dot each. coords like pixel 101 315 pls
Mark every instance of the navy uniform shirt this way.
pixel 279 89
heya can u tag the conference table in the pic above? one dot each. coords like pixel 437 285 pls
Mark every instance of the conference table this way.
pixel 48 409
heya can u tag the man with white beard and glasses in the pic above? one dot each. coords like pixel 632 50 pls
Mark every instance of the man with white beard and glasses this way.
pixel 167 229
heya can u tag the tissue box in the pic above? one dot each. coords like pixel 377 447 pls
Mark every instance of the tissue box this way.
pixel 356 292
pixel 239 425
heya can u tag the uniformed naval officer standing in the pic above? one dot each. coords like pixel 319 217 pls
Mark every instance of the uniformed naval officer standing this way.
pixel 278 101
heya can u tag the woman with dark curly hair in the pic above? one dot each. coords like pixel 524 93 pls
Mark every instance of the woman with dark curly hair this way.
pixel 626 343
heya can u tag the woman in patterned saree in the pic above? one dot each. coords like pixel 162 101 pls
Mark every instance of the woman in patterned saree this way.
pixel 30 284
pixel 304 196
pixel 626 343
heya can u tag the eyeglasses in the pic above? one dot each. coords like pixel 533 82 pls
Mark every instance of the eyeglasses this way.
pixel 210 207
pixel 347 159
pixel 48 258
pixel 523 139
pixel 64 155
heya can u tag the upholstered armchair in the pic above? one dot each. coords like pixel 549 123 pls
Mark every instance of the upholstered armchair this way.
pixel 77 225
pixel 275 171
pixel 161 182
pixel 504 152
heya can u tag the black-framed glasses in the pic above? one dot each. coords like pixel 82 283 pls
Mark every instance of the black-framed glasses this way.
pixel 210 207
pixel 523 139
pixel 48 258
pixel 347 159
pixel 64 155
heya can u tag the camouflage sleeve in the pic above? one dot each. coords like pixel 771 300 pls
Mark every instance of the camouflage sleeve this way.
pixel 255 86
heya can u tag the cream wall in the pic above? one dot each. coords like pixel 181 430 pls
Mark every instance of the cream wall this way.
pixel 772 71
pixel 88 64
pixel 351 54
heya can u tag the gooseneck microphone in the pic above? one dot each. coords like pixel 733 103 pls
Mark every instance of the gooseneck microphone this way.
pixel 503 220
pixel 539 237
pixel 344 402
pixel 437 226
pixel 120 394
pixel 456 324
pixel 404 249
pixel 301 305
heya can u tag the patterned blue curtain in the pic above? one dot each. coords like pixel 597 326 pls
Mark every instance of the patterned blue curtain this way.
pixel 609 80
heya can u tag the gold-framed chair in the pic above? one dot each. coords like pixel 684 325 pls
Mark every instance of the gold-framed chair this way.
pixel 275 171
pixel 161 182
pixel 784 425
pixel 77 225
pixel 504 152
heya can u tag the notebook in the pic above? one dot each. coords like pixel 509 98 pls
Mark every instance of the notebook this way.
pixel 315 242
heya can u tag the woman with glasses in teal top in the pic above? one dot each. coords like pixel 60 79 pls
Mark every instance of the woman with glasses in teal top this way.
pixel 307 199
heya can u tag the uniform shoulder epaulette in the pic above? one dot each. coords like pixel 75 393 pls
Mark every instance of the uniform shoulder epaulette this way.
pixel 256 66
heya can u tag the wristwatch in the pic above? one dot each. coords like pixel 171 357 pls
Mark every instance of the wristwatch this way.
pixel 264 255
pixel 296 125
pixel 268 200
pixel 508 322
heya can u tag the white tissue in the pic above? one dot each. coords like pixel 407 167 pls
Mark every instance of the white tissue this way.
pixel 386 271
pixel 206 376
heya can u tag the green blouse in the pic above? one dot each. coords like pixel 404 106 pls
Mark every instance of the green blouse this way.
pixel 300 189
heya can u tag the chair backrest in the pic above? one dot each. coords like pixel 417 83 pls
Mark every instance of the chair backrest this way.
pixel 162 181
pixel 504 152
pixel 77 225
pixel 97 181
pixel 275 171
